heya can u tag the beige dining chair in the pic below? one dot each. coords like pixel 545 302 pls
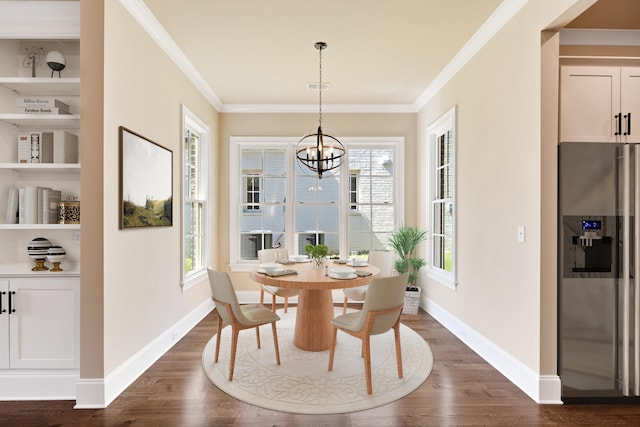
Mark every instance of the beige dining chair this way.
pixel 381 312
pixel 384 261
pixel 271 255
pixel 238 316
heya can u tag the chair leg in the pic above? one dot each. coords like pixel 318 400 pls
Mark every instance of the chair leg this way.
pixel 261 295
pixel 258 336
pixel 286 303
pixel 273 303
pixel 218 338
pixel 275 341
pixel 234 344
pixel 344 308
pixel 367 362
pixel 332 348
pixel 396 331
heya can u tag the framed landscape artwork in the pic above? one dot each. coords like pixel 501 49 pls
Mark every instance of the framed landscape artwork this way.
pixel 146 182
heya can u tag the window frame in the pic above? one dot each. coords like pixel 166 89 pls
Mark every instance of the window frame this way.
pixel 446 123
pixel 191 123
pixel 289 143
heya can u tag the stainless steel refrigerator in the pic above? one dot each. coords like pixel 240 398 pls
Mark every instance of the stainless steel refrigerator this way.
pixel 599 252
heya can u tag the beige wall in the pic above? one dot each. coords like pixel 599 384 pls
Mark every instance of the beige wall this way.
pixel 130 278
pixel 502 178
pixel 296 125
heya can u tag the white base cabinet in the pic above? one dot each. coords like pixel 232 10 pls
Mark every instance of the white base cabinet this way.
pixel 39 324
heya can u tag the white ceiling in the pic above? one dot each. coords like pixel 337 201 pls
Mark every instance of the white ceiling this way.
pixel 381 54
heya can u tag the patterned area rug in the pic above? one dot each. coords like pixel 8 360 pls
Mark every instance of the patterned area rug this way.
pixel 302 384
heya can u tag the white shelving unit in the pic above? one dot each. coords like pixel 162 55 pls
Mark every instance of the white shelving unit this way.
pixel 16 81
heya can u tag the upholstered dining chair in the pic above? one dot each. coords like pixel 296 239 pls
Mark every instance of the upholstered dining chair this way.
pixel 380 312
pixel 271 255
pixel 381 259
pixel 238 316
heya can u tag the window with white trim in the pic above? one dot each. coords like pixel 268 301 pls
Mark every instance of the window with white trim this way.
pixel 374 217
pixel 195 176
pixel 442 142
pixel 343 211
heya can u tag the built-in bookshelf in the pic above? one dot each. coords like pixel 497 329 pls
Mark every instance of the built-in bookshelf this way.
pixel 16 83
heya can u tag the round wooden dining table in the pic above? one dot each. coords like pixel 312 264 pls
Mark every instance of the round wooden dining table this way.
pixel 315 303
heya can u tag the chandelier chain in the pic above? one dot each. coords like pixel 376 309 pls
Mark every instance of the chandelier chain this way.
pixel 320 91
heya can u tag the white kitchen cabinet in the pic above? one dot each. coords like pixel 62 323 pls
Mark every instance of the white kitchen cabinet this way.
pixel 39 323
pixel 599 104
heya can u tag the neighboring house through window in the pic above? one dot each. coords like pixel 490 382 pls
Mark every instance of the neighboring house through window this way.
pixel 195 177
pixel 280 204
pixel 442 142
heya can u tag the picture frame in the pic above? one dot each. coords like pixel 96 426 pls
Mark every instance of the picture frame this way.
pixel 146 182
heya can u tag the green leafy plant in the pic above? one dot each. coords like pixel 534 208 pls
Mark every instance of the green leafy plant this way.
pixel 317 251
pixel 404 241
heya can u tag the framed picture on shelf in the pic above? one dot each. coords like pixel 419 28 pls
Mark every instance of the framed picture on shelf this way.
pixel 146 182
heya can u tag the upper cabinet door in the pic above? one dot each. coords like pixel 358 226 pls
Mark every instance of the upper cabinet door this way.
pixel 630 102
pixel 589 103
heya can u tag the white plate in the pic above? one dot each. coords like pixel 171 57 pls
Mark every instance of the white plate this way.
pixel 262 270
pixel 357 264
pixel 299 258
pixel 349 276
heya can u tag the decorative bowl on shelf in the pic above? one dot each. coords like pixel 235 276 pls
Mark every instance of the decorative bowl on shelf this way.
pixel 55 255
pixel 38 249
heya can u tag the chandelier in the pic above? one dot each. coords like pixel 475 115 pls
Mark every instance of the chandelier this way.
pixel 319 151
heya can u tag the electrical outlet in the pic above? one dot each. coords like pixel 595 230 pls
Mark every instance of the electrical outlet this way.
pixel 76 237
pixel 521 236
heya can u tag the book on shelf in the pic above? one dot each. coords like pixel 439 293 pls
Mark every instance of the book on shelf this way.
pixel 50 200
pixel 22 192
pixel 12 206
pixel 58 146
pixel 34 138
pixel 40 110
pixel 31 204
pixel 46 147
pixel 65 147
pixel 46 102
pixel 42 210
pixel 24 148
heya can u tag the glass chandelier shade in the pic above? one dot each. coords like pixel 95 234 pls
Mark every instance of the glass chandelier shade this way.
pixel 319 151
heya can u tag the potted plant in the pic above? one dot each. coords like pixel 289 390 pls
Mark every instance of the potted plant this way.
pixel 317 253
pixel 404 241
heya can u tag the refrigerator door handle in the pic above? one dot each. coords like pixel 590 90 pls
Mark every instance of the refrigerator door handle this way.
pixel 626 273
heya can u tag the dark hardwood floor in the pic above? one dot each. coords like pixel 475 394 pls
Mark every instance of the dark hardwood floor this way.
pixel 461 390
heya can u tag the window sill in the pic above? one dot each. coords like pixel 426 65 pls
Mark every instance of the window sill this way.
pixel 194 279
pixel 442 278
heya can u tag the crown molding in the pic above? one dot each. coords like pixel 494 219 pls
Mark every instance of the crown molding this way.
pixel 313 108
pixel 498 19
pixel 40 20
pixel 156 31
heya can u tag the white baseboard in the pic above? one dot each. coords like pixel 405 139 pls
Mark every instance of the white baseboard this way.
pixel 98 393
pixel 38 385
pixel 544 389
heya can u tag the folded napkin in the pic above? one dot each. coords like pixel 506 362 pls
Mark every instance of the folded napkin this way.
pixel 362 273
pixel 282 273
pixel 340 261
pixel 286 262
